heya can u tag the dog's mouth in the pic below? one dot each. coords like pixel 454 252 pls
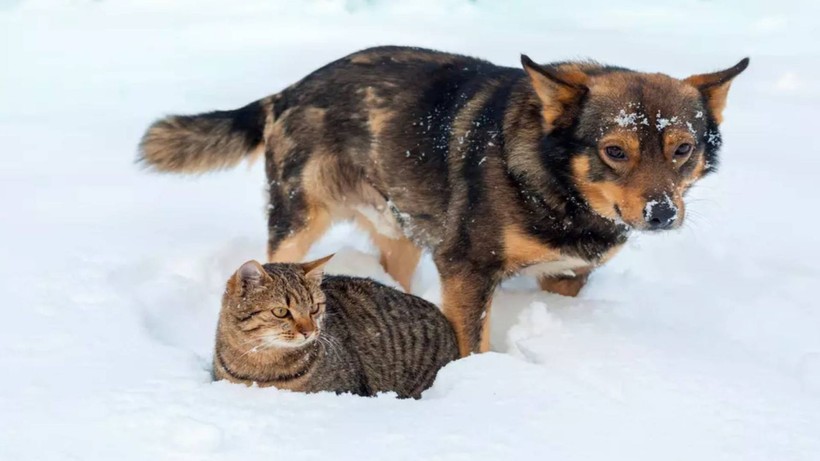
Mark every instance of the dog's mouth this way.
pixel 619 218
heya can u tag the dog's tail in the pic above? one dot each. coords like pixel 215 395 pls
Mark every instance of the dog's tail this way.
pixel 204 142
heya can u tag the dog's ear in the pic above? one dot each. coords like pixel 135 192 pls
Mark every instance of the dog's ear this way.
pixel 314 270
pixel 715 87
pixel 560 89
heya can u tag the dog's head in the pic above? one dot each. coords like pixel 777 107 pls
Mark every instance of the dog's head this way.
pixel 636 142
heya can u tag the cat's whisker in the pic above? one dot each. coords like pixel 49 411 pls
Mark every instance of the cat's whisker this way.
pixel 250 341
pixel 330 344
pixel 324 345
pixel 253 348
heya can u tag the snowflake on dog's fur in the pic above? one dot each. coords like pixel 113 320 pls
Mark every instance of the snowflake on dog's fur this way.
pixel 661 122
pixel 625 120
pixel 691 128
pixel 713 138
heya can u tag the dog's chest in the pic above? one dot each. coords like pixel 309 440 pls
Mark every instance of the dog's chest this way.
pixel 525 254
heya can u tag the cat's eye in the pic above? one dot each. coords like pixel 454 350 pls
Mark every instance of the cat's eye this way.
pixel 315 309
pixel 280 312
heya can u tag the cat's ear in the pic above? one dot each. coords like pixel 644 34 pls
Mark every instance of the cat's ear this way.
pixel 250 275
pixel 315 269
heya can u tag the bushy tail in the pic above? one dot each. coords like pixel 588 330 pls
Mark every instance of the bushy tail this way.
pixel 211 141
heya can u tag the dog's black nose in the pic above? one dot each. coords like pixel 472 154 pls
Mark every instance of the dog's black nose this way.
pixel 660 214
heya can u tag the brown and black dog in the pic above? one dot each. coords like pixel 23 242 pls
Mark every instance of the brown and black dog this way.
pixel 492 169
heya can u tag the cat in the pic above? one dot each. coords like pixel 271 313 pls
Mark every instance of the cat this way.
pixel 291 327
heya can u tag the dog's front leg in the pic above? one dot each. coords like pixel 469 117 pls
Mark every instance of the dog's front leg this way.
pixel 567 285
pixel 466 298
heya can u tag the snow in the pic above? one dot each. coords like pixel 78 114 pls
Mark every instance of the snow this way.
pixel 631 119
pixel 696 344
pixel 662 122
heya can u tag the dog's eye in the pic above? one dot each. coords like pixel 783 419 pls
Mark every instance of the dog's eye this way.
pixel 683 149
pixel 615 153
pixel 280 312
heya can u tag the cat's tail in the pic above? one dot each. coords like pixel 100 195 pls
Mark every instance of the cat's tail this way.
pixel 204 142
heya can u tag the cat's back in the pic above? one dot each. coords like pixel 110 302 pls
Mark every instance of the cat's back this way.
pixel 359 296
pixel 400 339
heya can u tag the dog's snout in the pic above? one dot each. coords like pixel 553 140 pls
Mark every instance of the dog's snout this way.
pixel 660 214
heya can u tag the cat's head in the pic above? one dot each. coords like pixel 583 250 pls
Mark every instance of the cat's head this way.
pixel 280 305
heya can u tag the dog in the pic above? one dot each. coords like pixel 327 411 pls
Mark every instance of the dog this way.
pixel 494 170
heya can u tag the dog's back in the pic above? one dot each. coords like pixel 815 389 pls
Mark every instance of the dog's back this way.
pixel 492 169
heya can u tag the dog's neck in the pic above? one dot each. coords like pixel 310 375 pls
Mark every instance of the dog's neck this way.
pixel 537 166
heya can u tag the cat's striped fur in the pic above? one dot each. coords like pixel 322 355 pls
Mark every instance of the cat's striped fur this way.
pixel 340 334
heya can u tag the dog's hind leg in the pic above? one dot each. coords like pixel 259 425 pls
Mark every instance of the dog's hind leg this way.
pixel 293 229
pixel 398 256
pixel 298 212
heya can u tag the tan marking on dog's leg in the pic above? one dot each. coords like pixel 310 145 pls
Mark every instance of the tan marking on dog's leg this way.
pixel 571 285
pixel 451 311
pixel 463 304
pixel 398 256
pixel 294 247
pixel 566 285
pixel 485 329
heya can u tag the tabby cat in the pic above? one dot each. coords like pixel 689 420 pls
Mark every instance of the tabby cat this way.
pixel 288 326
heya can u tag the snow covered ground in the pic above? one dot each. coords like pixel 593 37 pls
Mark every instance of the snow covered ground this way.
pixel 699 344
